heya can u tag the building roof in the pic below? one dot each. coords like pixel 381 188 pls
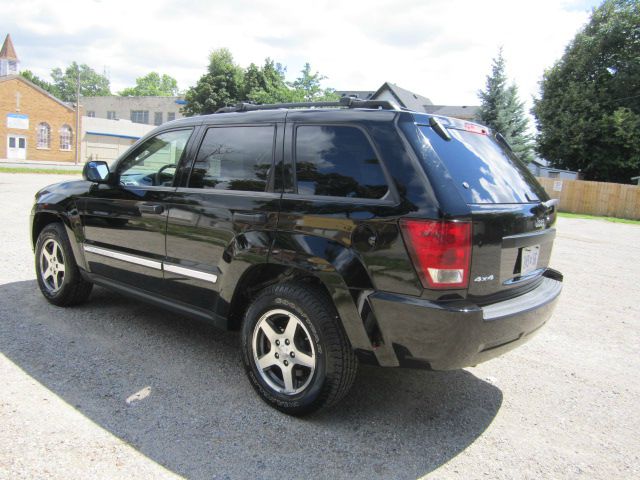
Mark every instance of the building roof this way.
pixel 20 78
pixel 462 111
pixel 541 162
pixel 405 98
pixel 8 52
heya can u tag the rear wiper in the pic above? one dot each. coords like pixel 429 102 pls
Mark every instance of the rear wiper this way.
pixel 439 128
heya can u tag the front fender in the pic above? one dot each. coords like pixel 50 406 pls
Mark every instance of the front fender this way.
pixel 56 208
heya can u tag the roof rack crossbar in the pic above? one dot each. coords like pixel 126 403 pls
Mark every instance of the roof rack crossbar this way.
pixel 348 102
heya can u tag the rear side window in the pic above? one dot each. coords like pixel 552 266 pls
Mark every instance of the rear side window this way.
pixel 483 170
pixel 234 158
pixel 337 161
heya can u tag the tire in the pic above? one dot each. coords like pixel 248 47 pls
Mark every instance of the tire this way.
pixel 294 349
pixel 57 272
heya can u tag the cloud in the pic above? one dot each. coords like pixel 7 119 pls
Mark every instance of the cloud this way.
pixel 440 49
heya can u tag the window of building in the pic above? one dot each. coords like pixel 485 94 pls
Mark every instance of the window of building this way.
pixel 171 116
pixel 157 118
pixel 91 114
pixel 337 161
pixel 44 135
pixel 65 137
pixel 140 116
pixel 111 115
pixel 234 158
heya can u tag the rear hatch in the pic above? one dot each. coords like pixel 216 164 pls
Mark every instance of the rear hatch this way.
pixel 512 233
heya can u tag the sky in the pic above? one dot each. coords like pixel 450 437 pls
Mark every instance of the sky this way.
pixel 441 49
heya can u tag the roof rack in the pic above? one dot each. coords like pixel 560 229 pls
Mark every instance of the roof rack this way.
pixel 348 102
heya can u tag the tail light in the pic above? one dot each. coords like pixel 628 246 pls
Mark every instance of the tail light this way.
pixel 440 251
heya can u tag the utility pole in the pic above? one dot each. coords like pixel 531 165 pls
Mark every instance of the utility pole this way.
pixel 77 161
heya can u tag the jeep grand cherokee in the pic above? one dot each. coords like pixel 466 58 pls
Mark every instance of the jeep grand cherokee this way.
pixel 326 234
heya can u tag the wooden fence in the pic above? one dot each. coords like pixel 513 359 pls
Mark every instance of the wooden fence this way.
pixel 595 198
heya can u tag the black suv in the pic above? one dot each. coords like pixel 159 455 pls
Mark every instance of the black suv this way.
pixel 325 233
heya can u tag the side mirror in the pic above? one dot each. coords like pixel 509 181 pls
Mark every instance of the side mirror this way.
pixel 97 171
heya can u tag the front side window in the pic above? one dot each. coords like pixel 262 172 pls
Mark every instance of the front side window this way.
pixel 140 116
pixel 234 158
pixel 154 163
pixel 65 137
pixel 44 135
pixel 337 161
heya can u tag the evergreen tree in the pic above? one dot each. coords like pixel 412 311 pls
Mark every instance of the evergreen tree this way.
pixel 503 112
pixel 588 113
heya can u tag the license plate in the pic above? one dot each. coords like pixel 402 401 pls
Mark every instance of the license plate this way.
pixel 529 259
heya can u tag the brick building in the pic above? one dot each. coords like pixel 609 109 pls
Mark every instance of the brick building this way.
pixel 34 125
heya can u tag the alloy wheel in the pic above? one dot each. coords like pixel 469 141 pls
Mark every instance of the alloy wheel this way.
pixel 52 265
pixel 283 351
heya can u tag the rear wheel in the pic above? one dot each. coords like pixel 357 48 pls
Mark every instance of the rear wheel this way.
pixel 57 272
pixel 295 351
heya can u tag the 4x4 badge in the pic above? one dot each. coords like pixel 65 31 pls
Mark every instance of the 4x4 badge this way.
pixel 485 278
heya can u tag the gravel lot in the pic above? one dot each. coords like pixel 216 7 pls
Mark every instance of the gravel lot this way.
pixel 118 389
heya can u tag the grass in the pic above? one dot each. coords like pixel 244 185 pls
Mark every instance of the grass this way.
pixel 593 217
pixel 39 170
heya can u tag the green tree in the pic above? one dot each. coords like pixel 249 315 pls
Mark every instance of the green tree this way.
pixel 502 111
pixel 91 82
pixel 222 85
pixel 588 113
pixel 152 85
pixel 226 83
pixel 308 87
pixel 33 78
pixel 267 84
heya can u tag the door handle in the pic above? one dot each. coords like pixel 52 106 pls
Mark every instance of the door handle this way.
pixel 146 208
pixel 253 218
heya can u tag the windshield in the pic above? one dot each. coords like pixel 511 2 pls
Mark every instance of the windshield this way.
pixel 484 170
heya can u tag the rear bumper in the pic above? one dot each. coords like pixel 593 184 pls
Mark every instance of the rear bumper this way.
pixel 447 336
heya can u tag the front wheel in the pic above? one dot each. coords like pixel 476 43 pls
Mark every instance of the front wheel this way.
pixel 58 276
pixel 294 349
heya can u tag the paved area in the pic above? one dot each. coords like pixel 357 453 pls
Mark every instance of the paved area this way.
pixel 118 389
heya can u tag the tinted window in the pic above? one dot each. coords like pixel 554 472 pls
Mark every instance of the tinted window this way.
pixel 155 161
pixel 483 170
pixel 337 161
pixel 234 158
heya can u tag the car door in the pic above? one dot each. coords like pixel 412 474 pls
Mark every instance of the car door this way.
pixel 224 214
pixel 125 221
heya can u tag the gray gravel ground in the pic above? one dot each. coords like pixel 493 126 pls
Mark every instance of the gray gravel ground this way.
pixel 118 389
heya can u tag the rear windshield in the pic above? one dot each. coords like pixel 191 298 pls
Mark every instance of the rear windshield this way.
pixel 483 170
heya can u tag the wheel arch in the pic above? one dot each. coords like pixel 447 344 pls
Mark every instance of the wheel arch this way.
pixel 43 217
pixel 334 268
